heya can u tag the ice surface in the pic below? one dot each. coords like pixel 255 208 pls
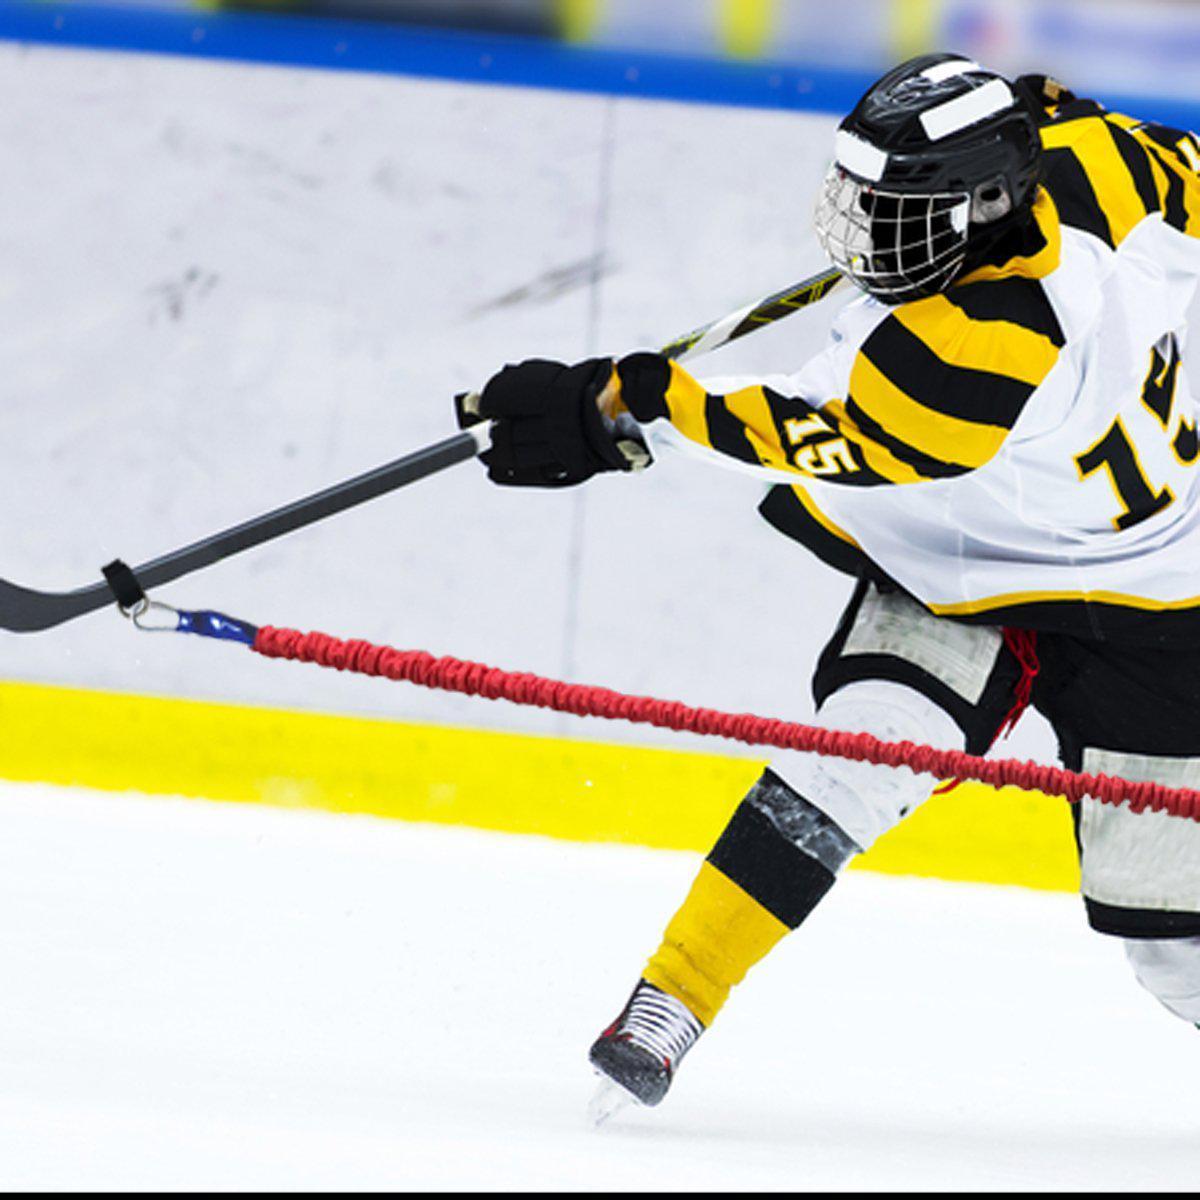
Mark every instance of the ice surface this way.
pixel 197 995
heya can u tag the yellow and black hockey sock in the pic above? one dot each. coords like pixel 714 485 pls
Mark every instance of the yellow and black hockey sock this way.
pixel 777 858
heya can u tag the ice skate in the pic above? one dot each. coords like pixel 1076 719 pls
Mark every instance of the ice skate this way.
pixel 638 1054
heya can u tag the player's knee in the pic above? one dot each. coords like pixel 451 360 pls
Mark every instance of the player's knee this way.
pixel 864 800
pixel 896 671
pixel 1169 969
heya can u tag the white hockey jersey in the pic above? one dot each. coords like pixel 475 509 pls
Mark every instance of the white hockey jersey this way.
pixel 1021 449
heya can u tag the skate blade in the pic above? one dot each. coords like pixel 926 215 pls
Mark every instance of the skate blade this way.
pixel 608 1100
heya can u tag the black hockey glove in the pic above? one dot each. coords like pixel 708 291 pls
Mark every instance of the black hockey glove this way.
pixel 548 429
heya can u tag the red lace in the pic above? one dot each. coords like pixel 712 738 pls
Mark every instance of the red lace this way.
pixel 1023 644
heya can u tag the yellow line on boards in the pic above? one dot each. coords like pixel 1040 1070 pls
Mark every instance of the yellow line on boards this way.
pixel 515 783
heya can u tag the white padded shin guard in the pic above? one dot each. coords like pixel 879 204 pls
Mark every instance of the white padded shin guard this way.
pixel 1169 969
pixel 866 800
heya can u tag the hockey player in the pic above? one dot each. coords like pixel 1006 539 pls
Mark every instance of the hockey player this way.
pixel 1000 444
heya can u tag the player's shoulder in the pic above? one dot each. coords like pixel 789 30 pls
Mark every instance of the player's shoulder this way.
pixel 1107 172
pixel 972 355
pixel 1006 310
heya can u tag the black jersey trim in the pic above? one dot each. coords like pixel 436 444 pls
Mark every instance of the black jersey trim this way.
pixel 1073 194
pixel 1095 619
pixel 786 513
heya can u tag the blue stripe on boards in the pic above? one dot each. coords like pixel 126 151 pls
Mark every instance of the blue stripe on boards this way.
pixel 439 54
pixel 470 57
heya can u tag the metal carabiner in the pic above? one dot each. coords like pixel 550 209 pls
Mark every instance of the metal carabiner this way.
pixel 144 615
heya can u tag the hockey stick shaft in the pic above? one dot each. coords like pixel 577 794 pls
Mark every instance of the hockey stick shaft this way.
pixel 24 610
pixel 753 316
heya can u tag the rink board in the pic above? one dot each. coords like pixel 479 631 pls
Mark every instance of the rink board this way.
pixel 587 791
pixel 302 268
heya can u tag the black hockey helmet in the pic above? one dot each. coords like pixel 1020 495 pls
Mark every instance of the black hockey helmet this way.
pixel 938 160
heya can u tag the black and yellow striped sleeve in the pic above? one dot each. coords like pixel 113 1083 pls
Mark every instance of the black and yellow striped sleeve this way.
pixel 1107 172
pixel 757 425
pixel 932 393
pixel 746 425
pixel 941 382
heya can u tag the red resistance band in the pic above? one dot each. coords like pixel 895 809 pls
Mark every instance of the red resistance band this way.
pixel 476 679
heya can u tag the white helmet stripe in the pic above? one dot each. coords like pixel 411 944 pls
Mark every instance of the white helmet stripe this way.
pixel 962 111
pixel 947 70
pixel 859 157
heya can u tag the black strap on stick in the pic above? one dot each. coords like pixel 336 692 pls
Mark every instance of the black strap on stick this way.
pixel 124 585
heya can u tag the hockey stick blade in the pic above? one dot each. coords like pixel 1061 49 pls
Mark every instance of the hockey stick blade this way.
pixel 24 610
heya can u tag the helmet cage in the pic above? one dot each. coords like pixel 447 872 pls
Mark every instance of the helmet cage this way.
pixel 895 245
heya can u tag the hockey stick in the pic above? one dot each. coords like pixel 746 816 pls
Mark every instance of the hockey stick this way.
pixel 753 316
pixel 24 610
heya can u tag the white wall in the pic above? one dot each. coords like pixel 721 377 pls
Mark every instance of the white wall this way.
pixel 223 286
